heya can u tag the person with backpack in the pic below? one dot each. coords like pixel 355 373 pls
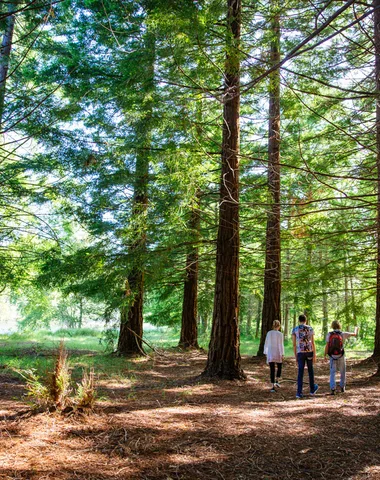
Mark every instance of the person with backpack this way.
pixel 335 350
pixel 305 353
pixel 274 350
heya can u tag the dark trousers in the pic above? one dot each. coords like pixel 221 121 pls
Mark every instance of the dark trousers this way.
pixel 305 357
pixel 272 366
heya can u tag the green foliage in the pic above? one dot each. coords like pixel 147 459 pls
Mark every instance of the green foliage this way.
pixel 37 391
pixel 99 88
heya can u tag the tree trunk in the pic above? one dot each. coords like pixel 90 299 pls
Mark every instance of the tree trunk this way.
pixel 325 313
pixel 353 303
pixel 6 46
pixel 272 274
pixel 308 309
pixel 325 320
pixel 286 319
pixel 80 320
pixel 224 350
pixel 249 315
pixel 131 315
pixel 295 314
pixel 258 316
pixel 376 5
pixel 204 322
pixel 346 296
pixel 287 302
pixel 189 327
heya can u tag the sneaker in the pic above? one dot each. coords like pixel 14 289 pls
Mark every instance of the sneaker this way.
pixel 299 395
pixel 315 389
pixel 342 389
pixel 273 390
pixel 333 391
pixel 277 385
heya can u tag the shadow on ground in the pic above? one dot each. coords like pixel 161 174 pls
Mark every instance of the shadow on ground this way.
pixel 169 425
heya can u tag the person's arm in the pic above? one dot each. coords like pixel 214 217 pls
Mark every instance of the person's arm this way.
pixel 353 334
pixel 295 346
pixel 350 334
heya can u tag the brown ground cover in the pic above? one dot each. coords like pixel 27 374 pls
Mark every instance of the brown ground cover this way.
pixel 167 424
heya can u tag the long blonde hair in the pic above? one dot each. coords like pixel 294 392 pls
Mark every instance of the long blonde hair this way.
pixel 276 324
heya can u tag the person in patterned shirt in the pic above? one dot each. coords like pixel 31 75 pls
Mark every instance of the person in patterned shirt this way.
pixel 304 351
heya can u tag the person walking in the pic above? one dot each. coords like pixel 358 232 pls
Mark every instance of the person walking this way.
pixel 305 353
pixel 274 350
pixel 335 350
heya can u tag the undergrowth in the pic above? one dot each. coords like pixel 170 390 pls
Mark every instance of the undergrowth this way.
pixel 55 391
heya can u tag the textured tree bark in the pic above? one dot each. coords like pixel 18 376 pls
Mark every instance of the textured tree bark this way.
pixel 295 315
pixel 6 46
pixel 272 275
pixel 325 312
pixel 189 325
pixel 376 4
pixel 131 314
pixel 248 330
pixel 131 317
pixel 287 302
pixel 258 316
pixel 224 350
pixel 308 308
pixel 286 319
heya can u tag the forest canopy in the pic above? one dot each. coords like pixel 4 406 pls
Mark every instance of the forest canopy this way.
pixel 211 165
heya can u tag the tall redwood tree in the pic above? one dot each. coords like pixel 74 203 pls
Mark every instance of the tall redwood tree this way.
pixel 189 326
pixel 224 359
pixel 6 46
pixel 376 4
pixel 272 275
pixel 131 316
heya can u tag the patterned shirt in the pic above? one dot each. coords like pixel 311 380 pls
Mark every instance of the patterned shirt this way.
pixel 304 335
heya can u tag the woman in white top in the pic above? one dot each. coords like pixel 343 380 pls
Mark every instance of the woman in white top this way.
pixel 274 350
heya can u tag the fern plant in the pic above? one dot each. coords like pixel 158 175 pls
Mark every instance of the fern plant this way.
pixel 86 394
pixel 36 390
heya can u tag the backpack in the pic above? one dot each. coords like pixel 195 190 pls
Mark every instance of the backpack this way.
pixel 335 345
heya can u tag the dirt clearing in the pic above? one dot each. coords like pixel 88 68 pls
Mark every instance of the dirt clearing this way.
pixel 161 422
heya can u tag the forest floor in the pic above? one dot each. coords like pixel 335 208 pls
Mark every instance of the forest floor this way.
pixel 159 421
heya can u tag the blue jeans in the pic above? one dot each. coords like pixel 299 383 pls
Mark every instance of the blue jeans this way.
pixel 302 358
pixel 338 364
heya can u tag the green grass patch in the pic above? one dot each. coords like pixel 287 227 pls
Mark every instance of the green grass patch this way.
pixel 84 339
pixel 86 350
